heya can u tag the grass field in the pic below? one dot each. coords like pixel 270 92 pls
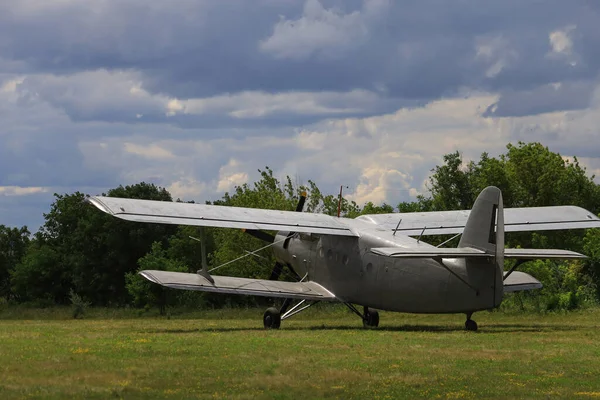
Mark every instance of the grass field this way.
pixel 323 353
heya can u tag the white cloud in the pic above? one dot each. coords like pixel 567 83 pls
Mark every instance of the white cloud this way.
pixel 496 51
pixel 21 191
pixel 152 151
pixel 10 86
pixel 380 184
pixel 248 105
pixel 561 45
pixel 188 189
pixel 328 33
pixel 560 40
pixel 230 176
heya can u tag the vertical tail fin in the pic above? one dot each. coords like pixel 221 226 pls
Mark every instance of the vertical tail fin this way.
pixel 484 229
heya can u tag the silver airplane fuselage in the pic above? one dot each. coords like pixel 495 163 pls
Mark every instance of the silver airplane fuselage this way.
pixel 352 273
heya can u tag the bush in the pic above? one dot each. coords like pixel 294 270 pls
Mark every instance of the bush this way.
pixel 79 305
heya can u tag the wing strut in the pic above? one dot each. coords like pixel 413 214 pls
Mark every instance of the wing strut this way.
pixel 204 271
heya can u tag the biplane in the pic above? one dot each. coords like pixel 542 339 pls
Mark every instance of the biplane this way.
pixel 377 262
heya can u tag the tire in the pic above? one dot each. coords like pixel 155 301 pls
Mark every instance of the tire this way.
pixel 471 325
pixel 272 318
pixel 371 319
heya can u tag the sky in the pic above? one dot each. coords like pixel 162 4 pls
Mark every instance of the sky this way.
pixel 197 96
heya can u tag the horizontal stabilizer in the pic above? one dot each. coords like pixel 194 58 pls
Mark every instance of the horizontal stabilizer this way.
pixel 519 281
pixel 430 252
pixel 167 212
pixel 245 286
pixel 533 254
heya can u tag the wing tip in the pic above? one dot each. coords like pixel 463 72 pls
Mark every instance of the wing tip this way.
pixel 96 202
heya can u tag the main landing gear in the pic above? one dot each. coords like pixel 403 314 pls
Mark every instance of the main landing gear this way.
pixel 273 316
pixel 470 325
pixel 369 317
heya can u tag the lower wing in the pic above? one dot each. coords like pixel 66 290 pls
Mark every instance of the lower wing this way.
pixel 520 281
pixel 233 285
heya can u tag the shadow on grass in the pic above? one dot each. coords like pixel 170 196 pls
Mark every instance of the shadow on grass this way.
pixel 496 328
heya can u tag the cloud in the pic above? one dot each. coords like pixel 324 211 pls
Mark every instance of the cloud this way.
pixel 21 191
pixel 152 151
pixel 561 42
pixel 197 96
pixel 327 33
pixel 543 99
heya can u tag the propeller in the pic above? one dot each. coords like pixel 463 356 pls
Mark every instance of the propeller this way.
pixel 262 235
pixel 267 237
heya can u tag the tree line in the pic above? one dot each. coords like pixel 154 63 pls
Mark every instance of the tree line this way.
pixel 82 252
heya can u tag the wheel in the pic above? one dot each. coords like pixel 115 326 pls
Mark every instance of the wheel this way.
pixel 471 325
pixel 272 318
pixel 371 319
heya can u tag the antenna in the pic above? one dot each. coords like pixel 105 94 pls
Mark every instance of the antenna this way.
pixel 340 201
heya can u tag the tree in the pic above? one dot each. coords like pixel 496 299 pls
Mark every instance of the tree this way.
pixel 95 250
pixel 266 193
pixel 147 294
pixel 529 175
pixel 40 276
pixel 13 245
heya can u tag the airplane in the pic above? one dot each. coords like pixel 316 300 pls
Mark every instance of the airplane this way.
pixel 373 261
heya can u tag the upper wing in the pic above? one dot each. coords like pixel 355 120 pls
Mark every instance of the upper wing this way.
pixel 515 220
pixel 468 252
pixel 219 216
pixel 232 285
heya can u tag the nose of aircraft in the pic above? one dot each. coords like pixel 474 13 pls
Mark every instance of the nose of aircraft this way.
pixel 282 255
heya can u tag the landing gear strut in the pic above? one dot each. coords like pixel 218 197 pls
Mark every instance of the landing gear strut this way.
pixel 470 325
pixel 273 316
pixel 369 317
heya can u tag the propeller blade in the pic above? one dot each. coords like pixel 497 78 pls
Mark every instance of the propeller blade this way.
pixel 276 272
pixel 299 208
pixel 267 237
pixel 301 202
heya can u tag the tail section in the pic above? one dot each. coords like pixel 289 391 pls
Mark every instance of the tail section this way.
pixel 484 229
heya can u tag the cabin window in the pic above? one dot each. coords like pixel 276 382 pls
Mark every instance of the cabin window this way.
pixel 345 259
pixel 321 252
pixel 329 254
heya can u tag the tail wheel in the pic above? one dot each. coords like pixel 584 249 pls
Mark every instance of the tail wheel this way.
pixel 471 325
pixel 272 318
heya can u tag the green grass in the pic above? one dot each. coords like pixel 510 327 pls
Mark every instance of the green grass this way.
pixel 323 353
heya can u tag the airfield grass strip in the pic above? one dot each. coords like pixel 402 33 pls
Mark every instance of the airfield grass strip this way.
pixel 323 353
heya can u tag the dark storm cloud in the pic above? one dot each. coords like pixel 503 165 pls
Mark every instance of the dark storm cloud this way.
pixel 419 50
pixel 548 98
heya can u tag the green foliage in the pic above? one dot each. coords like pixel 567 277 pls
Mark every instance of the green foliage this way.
pixel 95 250
pixel 78 304
pixel 529 175
pixel 566 287
pixel 147 294
pixel 41 276
pixel 97 255
pixel 13 246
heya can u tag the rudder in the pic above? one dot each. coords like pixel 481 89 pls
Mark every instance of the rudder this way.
pixel 484 230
